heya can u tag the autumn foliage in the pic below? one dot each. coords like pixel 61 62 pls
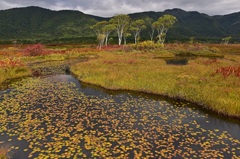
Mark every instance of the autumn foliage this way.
pixel 228 70
pixel 35 50
pixel 10 62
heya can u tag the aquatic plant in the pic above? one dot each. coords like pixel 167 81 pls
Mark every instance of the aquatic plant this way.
pixel 59 121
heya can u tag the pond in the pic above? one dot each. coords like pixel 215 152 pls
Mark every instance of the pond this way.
pixel 177 61
pixel 58 117
pixel 181 60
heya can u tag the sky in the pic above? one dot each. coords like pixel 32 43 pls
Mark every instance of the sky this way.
pixel 108 8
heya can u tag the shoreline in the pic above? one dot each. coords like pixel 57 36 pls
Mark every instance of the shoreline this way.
pixel 194 82
pixel 171 93
pixel 203 107
pixel 166 95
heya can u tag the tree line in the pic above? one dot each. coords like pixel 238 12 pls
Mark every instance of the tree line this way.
pixel 125 27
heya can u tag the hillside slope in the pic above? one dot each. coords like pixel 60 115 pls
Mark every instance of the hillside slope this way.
pixel 40 23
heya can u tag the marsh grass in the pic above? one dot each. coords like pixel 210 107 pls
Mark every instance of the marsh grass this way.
pixel 12 68
pixel 145 70
pixel 194 82
pixel 229 49
pixel 4 151
pixel 13 73
pixel 200 50
pixel 16 63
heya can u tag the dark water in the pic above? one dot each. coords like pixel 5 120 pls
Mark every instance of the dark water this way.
pixel 59 117
pixel 177 61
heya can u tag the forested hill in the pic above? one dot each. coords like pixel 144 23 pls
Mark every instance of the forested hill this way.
pixel 35 22
pixel 40 23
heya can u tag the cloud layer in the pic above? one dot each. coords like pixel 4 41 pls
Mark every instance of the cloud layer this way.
pixel 108 8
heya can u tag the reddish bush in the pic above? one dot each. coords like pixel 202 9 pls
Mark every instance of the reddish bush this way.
pixel 111 47
pixel 35 50
pixel 10 62
pixel 229 70
pixel 211 61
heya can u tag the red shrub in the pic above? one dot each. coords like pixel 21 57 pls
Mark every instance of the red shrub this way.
pixel 35 50
pixel 211 61
pixel 11 62
pixel 229 70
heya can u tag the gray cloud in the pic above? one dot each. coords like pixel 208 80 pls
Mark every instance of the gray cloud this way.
pixel 108 8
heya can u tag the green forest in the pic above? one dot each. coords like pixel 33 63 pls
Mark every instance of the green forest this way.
pixel 39 25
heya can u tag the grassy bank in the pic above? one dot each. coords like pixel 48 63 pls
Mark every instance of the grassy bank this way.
pixel 209 82
pixel 199 81
pixel 16 62
pixel 13 73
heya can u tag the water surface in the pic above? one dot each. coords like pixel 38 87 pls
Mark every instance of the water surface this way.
pixel 59 117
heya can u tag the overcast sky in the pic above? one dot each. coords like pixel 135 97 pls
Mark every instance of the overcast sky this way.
pixel 108 8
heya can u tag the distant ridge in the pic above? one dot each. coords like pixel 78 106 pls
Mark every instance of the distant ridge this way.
pixel 40 23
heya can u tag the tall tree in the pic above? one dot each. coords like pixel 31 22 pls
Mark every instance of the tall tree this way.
pixel 101 38
pixel 136 27
pixel 149 22
pixel 162 26
pixel 107 29
pixel 226 40
pixel 121 21
pixel 98 29
pixel 125 36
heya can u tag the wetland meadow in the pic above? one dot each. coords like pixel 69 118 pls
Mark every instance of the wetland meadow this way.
pixel 72 101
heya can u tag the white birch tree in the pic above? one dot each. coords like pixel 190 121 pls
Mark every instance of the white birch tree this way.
pixel 98 29
pixel 162 26
pixel 107 29
pixel 120 21
pixel 136 27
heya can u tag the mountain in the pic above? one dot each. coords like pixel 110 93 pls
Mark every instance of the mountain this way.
pixel 230 23
pixel 189 24
pixel 36 22
pixel 39 23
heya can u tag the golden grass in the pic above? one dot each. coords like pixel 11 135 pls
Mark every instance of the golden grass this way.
pixel 11 72
pixel 4 150
pixel 14 72
pixel 142 72
pixel 133 70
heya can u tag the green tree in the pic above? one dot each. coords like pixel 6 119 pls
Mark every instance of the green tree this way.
pixel 191 40
pixel 101 38
pixel 125 36
pixel 226 40
pixel 162 26
pixel 99 30
pixel 136 27
pixel 107 29
pixel 149 22
pixel 120 21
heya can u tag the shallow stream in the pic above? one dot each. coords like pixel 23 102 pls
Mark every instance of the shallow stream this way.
pixel 58 117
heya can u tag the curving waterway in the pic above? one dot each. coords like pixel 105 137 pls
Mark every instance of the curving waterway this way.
pixel 58 117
